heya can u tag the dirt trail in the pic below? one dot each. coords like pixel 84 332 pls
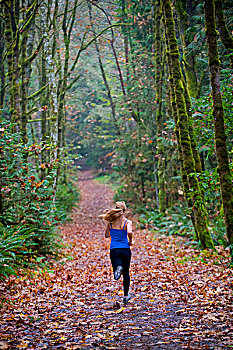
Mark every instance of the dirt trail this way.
pixel 176 303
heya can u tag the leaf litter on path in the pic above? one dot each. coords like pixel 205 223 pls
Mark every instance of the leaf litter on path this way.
pixel 182 299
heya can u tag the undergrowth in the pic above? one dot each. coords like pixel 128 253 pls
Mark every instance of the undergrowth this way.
pixel 23 246
pixel 29 213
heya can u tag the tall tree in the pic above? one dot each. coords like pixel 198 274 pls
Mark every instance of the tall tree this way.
pixel 218 118
pixel 159 63
pixel 223 30
pixel 184 176
pixel 2 65
pixel 184 9
pixel 12 34
pixel 183 120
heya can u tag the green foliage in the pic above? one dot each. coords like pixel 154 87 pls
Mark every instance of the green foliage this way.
pixel 135 168
pixel 209 178
pixel 26 200
pixel 218 231
pixel 67 197
pixel 109 179
pixel 175 222
pixel 103 179
pixel 203 120
pixel 28 214
pixel 14 246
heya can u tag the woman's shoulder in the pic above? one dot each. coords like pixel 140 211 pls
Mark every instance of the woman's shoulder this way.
pixel 128 221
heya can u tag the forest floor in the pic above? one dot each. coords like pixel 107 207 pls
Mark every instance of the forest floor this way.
pixel 182 299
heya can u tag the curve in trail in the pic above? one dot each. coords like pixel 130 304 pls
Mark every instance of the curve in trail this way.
pixel 78 304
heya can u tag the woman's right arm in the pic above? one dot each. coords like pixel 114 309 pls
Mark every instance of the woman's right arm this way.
pixel 107 231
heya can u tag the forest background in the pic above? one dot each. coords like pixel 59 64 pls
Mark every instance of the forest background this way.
pixel 142 90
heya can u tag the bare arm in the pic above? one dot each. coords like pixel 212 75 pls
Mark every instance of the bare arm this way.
pixel 130 232
pixel 107 231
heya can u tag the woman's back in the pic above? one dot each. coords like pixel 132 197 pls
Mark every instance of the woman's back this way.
pixel 118 233
pixel 119 222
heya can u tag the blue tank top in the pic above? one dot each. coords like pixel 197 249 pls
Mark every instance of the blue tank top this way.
pixel 119 237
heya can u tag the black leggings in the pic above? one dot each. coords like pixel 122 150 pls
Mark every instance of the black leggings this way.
pixel 122 257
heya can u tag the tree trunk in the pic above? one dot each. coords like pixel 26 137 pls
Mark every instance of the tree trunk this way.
pixel 219 127
pixel 177 131
pixel 126 41
pixel 184 176
pixel 188 59
pixel 9 38
pixel 189 163
pixel 24 83
pixel 225 35
pixel 43 100
pixel 2 66
pixel 159 114
pixel 15 91
pixel 196 155
pixel 51 79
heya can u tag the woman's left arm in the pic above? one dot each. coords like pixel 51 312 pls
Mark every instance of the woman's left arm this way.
pixel 107 231
pixel 130 232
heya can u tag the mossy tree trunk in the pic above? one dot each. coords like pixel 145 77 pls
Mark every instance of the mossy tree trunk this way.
pixel 188 58
pixel 15 88
pixel 50 108
pixel 23 87
pixel 175 116
pixel 2 89
pixel 63 74
pixel 43 99
pixel 18 20
pixel 184 176
pixel 219 127
pixel 8 8
pixel 225 35
pixel 199 210
pixel 26 59
pixel 172 167
pixel 159 113
pixel 183 172
pixel 52 103
pixel 2 66
pixel 196 155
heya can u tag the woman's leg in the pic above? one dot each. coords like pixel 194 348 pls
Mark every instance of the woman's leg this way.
pixel 126 257
pixel 115 257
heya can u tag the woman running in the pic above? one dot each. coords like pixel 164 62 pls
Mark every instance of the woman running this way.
pixel 120 230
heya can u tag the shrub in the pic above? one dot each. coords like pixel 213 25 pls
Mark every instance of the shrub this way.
pixel 28 212
pixel 14 245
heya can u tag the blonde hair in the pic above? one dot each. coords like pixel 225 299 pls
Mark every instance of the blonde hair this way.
pixel 112 214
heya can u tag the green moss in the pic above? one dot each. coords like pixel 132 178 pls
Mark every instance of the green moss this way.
pixel 188 58
pixel 200 217
pixel 220 135
pixel 159 115
pixel 223 30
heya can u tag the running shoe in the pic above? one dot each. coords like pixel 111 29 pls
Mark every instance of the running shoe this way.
pixel 126 299
pixel 118 272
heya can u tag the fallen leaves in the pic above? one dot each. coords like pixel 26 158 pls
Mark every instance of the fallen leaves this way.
pixel 181 298
pixel 3 345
